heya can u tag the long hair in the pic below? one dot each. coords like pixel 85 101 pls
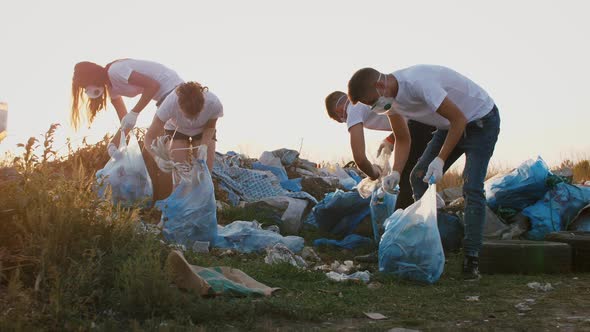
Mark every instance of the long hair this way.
pixel 85 74
pixel 191 97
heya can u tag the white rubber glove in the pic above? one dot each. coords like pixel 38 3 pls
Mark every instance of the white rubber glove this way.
pixel 129 120
pixel 435 170
pixel 114 151
pixel 390 182
pixel 385 147
pixel 166 166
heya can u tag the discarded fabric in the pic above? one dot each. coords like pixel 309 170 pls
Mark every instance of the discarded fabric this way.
pixel 214 280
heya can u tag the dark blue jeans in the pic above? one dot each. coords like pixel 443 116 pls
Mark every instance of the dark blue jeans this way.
pixel 477 143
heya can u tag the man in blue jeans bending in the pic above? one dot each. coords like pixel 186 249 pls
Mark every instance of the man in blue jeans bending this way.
pixel 467 122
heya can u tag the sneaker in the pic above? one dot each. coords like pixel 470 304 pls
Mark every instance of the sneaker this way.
pixel 471 268
pixel 369 258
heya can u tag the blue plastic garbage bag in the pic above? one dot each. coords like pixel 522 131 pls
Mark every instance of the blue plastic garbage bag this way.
pixel 382 206
pixel 353 174
pixel 340 212
pixel 127 176
pixel 555 211
pixel 350 242
pixel 520 188
pixel 248 236
pixel 190 212
pixel 411 247
pixel 451 230
pixel 278 171
pixel 293 185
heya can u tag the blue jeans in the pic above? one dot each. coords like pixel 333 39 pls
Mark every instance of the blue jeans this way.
pixel 477 143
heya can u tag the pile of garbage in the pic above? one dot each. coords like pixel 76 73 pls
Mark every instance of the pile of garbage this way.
pixel 528 202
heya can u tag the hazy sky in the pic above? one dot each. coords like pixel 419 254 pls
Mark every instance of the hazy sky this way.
pixel 273 62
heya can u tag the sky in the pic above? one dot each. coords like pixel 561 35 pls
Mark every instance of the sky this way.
pixel 272 63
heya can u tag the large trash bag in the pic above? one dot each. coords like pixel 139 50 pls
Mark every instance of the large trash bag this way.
pixel 127 176
pixel 248 236
pixel 451 230
pixel 382 206
pixel 555 211
pixel 190 212
pixel 411 247
pixel 340 212
pixel 520 188
pixel 350 242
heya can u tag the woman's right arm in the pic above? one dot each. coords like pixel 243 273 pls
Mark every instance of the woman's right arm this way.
pixel 121 109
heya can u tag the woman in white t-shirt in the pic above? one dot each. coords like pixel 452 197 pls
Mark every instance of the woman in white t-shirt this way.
pixel 93 84
pixel 189 116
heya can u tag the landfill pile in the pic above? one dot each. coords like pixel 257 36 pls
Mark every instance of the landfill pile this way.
pixel 528 202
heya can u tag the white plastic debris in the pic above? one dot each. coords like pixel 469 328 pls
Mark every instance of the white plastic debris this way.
pixel 375 315
pixel 201 247
pixel 345 267
pixel 310 255
pixel 279 253
pixel 540 287
pixel 472 298
pixel 363 276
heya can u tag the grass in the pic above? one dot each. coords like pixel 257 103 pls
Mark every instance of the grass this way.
pixel 70 261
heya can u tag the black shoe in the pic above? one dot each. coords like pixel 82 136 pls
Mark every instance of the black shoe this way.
pixel 369 258
pixel 471 268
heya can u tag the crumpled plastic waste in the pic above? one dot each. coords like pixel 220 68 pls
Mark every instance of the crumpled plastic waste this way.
pixel 363 276
pixel 248 236
pixel 127 176
pixel 279 253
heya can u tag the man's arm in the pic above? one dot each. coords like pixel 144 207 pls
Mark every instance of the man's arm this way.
pixel 451 112
pixel 357 145
pixel 401 146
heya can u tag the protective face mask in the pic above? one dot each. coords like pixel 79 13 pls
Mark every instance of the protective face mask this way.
pixel 343 115
pixel 93 91
pixel 383 104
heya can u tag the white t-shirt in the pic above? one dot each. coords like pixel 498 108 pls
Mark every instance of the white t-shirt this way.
pixel 120 71
pixel 422 88
pixel 175 119
pixel 361 113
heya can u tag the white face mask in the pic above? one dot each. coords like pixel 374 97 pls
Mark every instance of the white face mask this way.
pixel 93 91
pixel 343 116
pixel 383 104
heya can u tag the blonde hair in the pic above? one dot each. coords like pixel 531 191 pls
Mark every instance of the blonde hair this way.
pixel 85 74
